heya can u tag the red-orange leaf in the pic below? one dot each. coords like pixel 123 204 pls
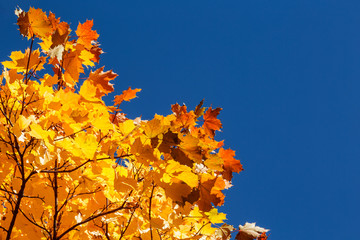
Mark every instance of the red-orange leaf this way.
pixel 230 163
pixel 53 20
pixel 199 110
pixel 178 110
pixel 85 34
pixel 263 236
pixel 55 23
pixel 211 123
pixel 184 119
pixel 126 95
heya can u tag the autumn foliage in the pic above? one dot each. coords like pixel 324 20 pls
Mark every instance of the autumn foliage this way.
pixel 73 167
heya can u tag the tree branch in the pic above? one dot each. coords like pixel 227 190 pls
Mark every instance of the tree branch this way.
pixel 150 201
pixel 95 216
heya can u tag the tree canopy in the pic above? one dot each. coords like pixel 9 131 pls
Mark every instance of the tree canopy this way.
pixel 73 167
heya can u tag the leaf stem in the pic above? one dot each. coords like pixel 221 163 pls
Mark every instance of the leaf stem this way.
pixel 28 62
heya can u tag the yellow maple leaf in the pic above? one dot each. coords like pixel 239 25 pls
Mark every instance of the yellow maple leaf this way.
pixel 155 126
pixel 38 132
pixel 87 143
pixel 124 184
pixel 87 57
pixel 189 178
pixel 214 162
pixel 215 216
pixel 20 61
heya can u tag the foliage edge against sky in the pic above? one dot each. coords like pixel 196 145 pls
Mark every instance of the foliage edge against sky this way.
pixel 76 168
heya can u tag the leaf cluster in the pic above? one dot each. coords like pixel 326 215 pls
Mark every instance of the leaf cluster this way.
pixel 73 167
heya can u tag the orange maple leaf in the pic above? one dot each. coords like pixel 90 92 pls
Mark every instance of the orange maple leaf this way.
pixel 210 192
pixel 184 119
pixel 61 30
pixel 169 141
pixel 54 22
pixel 73 67
pixel 178 110
pixel 60 36
pixel 199 110
pixel 101 80
pixel 230 163
pixel 178 191
pixel 179 156
pixel 97 51
pixel 85 34
pixel 211 123
pixel 126 95
pixel 33 22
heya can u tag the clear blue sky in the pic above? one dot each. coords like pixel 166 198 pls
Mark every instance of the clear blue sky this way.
pixel 287 74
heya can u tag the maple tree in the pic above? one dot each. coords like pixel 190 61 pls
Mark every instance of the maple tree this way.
pixel 73 167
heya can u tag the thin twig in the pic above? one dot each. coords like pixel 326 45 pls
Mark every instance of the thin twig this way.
pixel 28 63
pixel 94 217
pixel 150 201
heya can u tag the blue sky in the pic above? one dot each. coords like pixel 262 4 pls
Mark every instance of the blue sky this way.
pixel 286 74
